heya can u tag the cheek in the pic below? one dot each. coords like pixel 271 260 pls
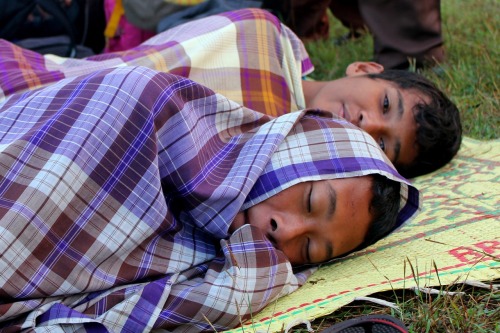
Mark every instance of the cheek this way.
pixel 257 215
pixel 348 244
pixel 351 233
pixel 360 232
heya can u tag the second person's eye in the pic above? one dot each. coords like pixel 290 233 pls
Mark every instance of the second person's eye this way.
pixel 386 104
pixel 381 144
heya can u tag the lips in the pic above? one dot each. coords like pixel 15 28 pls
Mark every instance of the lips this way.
pixel 272 240
pixel 245 217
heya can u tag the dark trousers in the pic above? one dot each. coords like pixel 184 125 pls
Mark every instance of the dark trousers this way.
pixel 401 29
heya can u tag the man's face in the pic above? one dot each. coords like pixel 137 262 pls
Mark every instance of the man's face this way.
pixel 377 106
pixel 312 222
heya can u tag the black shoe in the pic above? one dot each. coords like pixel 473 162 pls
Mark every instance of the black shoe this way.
pixel 368 324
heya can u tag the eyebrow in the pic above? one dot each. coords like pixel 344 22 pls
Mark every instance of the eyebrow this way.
pixel 397 145
pixel 332 206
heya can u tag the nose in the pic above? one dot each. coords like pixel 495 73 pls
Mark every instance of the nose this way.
pixel 371 122
pixel 285 229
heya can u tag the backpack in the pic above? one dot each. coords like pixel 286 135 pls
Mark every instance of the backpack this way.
pixel 60 27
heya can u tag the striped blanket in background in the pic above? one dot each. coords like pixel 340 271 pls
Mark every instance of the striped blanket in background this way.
pixel 246 55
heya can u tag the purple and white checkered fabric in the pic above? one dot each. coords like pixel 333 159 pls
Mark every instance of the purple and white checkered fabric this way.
pixel 117 189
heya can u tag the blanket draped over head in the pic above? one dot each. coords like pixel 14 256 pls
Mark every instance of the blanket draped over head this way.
pixel 246 55
pixel 117 190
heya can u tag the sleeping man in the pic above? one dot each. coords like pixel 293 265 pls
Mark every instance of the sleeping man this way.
pixel 251 58
pixel 134 200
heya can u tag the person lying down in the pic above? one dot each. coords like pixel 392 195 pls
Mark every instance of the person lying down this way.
pixel 134 200
pixel 251 58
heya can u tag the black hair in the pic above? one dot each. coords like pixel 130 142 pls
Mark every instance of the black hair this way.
pixel 384 208
pixel 439 130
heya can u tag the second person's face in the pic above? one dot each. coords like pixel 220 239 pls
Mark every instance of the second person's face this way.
pixel 377 106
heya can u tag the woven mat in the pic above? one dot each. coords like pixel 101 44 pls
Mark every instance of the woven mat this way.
pixel 458 233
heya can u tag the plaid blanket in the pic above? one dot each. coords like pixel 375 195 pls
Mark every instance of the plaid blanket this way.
pixel 117 190
pixel 246 55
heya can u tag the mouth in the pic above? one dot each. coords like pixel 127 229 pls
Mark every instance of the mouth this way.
pixel 245 217
pixel 272 240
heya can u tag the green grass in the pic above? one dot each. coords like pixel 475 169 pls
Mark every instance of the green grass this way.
pixel 470 77
pixel 475 310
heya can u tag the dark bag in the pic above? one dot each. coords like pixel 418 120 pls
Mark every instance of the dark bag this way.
pixel 52 26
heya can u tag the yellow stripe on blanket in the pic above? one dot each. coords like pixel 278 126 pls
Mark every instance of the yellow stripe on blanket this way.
pixel 458 233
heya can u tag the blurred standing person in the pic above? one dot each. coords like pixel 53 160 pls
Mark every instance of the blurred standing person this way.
pixel 402 30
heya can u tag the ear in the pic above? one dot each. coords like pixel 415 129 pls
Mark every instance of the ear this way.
pixel 360 68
